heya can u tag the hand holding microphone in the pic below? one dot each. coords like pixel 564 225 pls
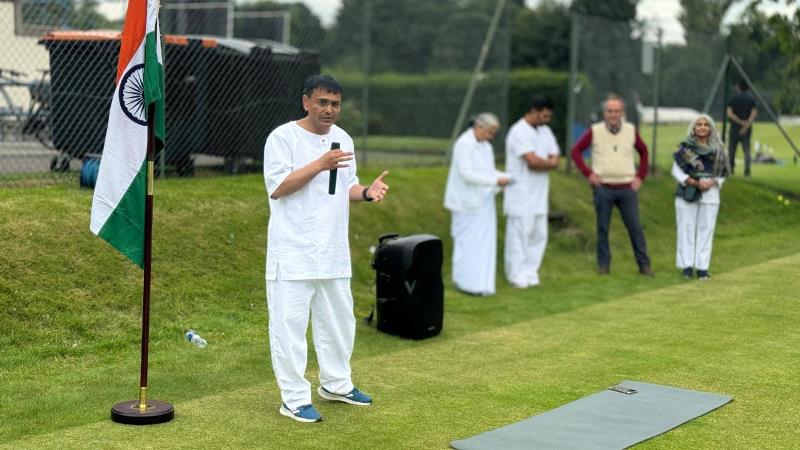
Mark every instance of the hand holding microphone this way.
pixel 332 177
pixel 334 159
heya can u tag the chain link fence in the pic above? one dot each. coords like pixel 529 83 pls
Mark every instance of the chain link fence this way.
pixel 233 72
pixel 666 85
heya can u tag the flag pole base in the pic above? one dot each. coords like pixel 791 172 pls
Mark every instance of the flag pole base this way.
pixel 130 412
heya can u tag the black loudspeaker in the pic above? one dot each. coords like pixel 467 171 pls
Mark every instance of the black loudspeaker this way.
pixel 409 288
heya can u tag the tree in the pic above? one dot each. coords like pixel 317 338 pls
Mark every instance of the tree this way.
pixel 688 71
pixel 415 36
pixel 703 16
pixel 65 14
pixel 401 33
pixel 617 10
pixel 768 47
pixel 610 49
pixel 306 29
pixel 541 36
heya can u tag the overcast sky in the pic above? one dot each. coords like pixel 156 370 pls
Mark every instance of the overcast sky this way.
pixel 659 13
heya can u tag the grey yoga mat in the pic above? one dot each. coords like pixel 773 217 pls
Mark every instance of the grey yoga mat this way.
pixel 605 420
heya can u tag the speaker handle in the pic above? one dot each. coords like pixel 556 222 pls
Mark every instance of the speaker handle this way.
pixel 387 236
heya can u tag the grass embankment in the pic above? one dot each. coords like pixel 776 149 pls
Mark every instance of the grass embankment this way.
pixel 69 308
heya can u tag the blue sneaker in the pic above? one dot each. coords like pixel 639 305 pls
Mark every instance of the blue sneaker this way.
pixel 354 397
pixel 703 275
pixel 304 413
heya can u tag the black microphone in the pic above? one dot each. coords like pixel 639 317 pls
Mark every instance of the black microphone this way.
pixel 332 178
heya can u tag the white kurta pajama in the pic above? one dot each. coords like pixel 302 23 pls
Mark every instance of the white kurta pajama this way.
pixel 525 203
pixel 308 265
pixel 695 225
pixel 469 195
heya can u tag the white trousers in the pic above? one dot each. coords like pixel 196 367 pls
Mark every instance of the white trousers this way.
pixel 333 327
pixel 695 222
pixel 475 249
pixel 526 240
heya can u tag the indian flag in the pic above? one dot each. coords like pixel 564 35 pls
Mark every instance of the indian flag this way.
pixel 123 181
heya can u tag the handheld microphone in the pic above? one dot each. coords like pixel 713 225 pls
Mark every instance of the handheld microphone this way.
pixel 332 178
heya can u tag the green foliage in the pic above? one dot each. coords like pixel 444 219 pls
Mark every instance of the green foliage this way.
pixel 415 36
pixel 610 57
pixel 702 16
pixel 617 10
pixel 525 83
pixel 766 47
pixel 687 72
pixel 541 36
pixel 68 14
pixel 307 31
pixel 427 105
pixel 780 42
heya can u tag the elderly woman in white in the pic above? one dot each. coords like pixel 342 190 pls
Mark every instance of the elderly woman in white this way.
pixel 472 185
pixel 700 167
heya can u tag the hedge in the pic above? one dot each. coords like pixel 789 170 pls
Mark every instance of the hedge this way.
pixel 428 105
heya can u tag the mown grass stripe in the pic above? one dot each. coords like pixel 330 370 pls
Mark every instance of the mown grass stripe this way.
pixel 430 394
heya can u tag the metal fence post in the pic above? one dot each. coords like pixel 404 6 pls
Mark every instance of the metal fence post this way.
pixel 573 78
pixel 487 43
pixel 366 50
pixel 656 80
pixel 725 83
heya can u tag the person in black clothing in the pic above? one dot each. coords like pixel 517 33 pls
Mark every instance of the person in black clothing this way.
pixel 742 113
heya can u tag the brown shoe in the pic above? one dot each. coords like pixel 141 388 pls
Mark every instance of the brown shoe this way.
pixel 602 270
pixel 646 271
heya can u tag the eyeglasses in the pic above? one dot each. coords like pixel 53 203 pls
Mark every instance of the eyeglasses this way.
pixel 324 103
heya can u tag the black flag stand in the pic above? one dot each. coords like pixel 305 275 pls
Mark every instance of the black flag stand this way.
pixel 144 411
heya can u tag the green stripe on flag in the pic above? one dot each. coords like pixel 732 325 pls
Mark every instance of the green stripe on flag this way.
pixel 124 229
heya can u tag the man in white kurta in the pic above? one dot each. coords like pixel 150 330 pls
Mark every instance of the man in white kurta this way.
pixel 308 254
pixel 531 151
pixel 472 184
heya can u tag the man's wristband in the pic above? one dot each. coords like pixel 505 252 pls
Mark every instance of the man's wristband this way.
pixel 365 196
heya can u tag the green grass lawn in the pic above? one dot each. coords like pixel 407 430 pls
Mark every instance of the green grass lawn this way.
pixel 426 151
pixel 70 311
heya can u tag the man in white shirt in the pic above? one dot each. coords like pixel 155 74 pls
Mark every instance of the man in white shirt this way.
pixel 308 254
pixel 472 184
pixel 531 151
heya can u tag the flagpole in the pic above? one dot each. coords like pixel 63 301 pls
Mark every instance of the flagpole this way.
pixel 148 259
pixel 144 411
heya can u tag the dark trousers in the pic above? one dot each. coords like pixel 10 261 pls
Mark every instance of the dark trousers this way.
pixel 733 141
pixel 627 201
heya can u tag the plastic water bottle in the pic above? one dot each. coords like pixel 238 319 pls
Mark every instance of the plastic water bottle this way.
pixel 195 339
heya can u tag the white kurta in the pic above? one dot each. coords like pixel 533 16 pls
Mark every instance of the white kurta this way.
pixel 695 223
pixel 307 234
pixel 526 202
pixel 308 265
pixel 469 195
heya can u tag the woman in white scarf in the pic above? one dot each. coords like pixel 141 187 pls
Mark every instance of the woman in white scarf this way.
pixel 700 167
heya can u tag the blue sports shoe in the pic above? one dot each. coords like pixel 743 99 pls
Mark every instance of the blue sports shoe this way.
pixel 304 413
pixel 354 397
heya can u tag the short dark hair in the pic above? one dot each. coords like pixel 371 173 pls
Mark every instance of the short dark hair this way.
pixel 322 81
pixel 540 102
pixel 742 83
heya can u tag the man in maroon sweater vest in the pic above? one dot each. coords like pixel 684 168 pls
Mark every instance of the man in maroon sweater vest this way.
pixel 615 180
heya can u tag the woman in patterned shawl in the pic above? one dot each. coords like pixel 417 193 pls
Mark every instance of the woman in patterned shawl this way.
pixel 700 167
